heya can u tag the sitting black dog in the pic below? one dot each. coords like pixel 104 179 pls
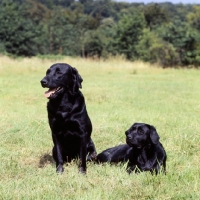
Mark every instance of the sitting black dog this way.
pixel 143 150
pixel 68 118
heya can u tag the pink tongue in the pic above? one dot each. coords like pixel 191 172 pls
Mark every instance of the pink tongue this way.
pixel 49 92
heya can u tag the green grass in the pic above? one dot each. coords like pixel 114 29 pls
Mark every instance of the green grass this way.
pixel 117 93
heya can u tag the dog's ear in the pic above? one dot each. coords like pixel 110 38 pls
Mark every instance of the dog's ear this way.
pixel 77 80
pixel 154 135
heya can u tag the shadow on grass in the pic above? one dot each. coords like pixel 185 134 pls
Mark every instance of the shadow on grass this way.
pixel 45 160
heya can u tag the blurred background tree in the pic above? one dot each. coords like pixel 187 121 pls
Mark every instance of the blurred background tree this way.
pixel 163 33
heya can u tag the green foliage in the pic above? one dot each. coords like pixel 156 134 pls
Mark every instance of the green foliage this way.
pixel 184 39
pixel 155 15
pixel 2 48
pixel 128 31
pixel 106 34
pixel 93 44
pixel 52 3
pixel 102 28
pixel 61 34
pixel 194 18
pixel 152 48
pixel 18 32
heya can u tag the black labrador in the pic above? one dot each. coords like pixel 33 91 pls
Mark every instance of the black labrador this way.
pixel 68 118
pixel 143 150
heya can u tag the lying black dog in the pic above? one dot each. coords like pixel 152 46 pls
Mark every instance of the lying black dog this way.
pixel 143 150
pixel 68 118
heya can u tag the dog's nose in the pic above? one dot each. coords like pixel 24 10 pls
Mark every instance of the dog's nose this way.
pixel 43 82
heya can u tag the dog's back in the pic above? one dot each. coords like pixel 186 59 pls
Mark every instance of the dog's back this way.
pixel 115 154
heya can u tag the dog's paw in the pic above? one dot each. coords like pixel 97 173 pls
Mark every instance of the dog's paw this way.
pixel 92 157
pixel 60 169
pixel 82 170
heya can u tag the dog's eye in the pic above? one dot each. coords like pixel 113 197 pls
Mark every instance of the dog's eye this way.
pixel 140 132
pixel 58 72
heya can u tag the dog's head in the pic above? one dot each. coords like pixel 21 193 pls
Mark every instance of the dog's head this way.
pixel 61 77
pixel 141 135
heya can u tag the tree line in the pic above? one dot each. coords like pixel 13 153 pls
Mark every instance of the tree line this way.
pixel 164 33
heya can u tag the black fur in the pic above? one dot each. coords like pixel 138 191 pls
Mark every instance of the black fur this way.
pixel 68 118
pixel 143 150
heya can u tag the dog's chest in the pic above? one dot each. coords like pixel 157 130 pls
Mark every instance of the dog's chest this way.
pixel 65 107
pixel 146 161
pixel 59 111
pixel 58 114
pixel 64 128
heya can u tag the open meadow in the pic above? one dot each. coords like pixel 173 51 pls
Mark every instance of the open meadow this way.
pixel 117 93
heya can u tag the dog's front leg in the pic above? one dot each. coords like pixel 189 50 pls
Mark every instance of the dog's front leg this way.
pixel 130 167
pixel 83 152
pixel 57 154
pixel 91 151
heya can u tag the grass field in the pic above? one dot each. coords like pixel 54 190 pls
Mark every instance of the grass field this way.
pixel 117 93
